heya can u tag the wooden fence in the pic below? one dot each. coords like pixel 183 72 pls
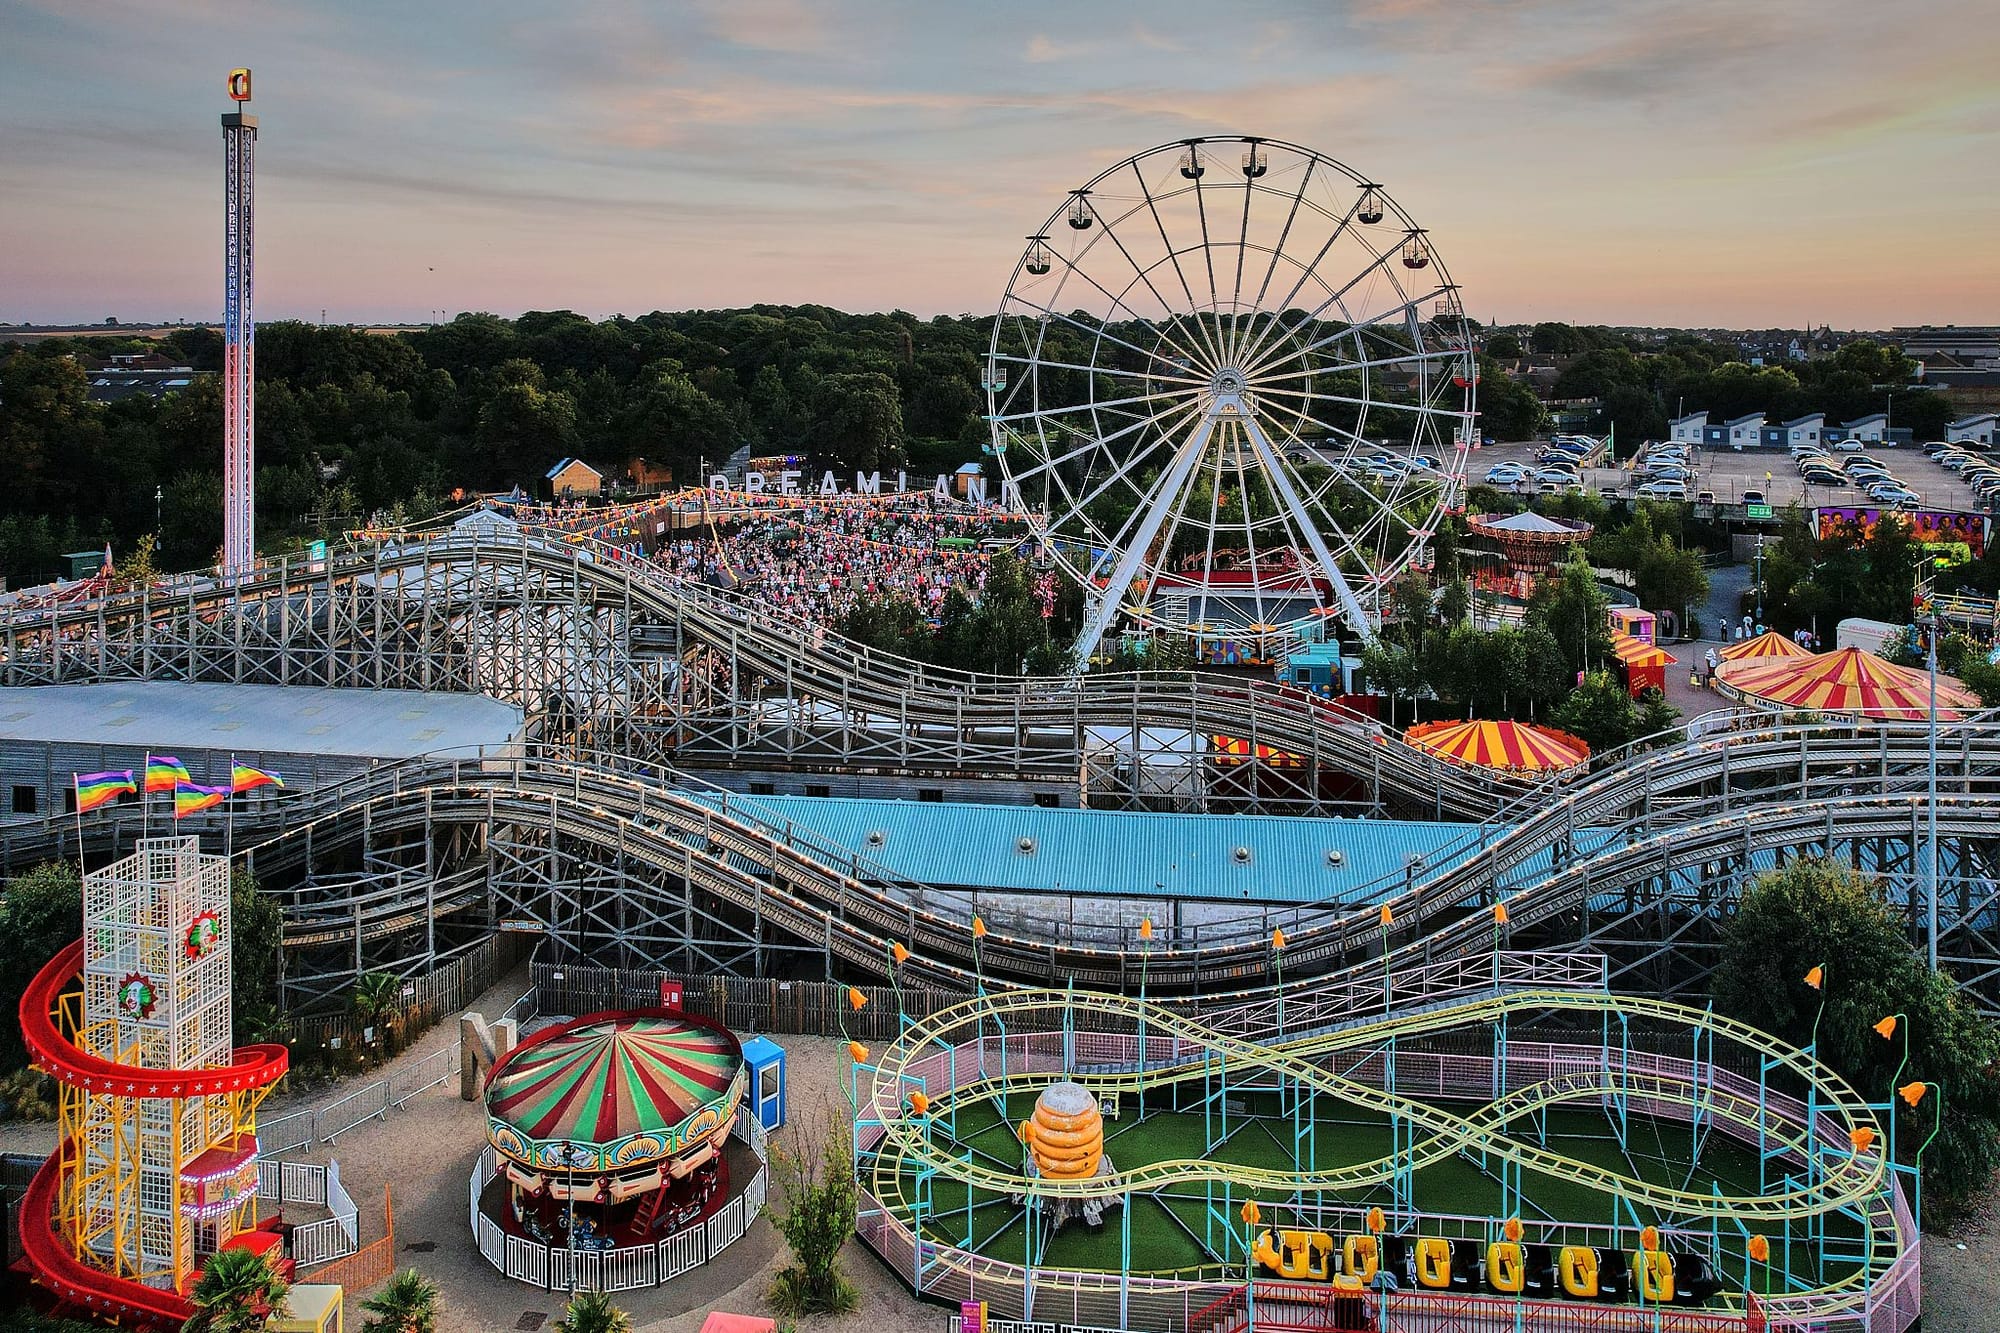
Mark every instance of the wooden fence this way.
pixel 743 1004
pixel 427 999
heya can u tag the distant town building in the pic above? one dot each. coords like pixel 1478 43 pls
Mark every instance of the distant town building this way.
pixel 111 378
pixel 1799 430
pixel 574 477
pixel 1690 429
pixel 1976 429
pixel 1743 432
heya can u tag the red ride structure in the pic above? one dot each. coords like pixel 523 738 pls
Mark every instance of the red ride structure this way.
pixel 157 1166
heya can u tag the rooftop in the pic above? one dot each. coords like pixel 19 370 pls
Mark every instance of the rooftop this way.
pixel 1255 858
pixel 266 719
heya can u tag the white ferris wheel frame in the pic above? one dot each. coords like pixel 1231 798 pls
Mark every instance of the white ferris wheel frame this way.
pixel 1230 379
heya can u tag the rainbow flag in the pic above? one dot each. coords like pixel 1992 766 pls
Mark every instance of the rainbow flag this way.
pixel 191 798
pixel 242 777
pixel 164 773
pixel 95 789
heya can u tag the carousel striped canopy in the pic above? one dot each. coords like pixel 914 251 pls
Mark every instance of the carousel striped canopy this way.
pixel 1515 747
pixel 1848 681
pixel 615 1091
pixel 1768 644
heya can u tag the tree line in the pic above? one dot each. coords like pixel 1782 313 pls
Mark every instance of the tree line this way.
pixel 351 424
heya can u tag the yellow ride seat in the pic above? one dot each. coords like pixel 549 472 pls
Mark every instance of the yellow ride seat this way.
pixel 1505 1272
pixel 1434 1263
pixel 1265 1251
pixel 1360 1257
pixel 1577 1267
pixel 1653 1275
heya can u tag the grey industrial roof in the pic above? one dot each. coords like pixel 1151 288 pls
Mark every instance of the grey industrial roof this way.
pixel 268 719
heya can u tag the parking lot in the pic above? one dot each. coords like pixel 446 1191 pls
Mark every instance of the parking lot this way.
pixel 1728 473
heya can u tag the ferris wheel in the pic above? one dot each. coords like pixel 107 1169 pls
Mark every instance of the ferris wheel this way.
pixel 1232 388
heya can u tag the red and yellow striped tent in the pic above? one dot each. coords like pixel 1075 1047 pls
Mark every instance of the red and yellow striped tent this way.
pixel 1849 681
pixel 1768 644
pixel 1513 747
pixel 1645 664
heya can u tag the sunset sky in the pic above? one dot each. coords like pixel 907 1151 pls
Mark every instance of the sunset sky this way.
pixel 1624 161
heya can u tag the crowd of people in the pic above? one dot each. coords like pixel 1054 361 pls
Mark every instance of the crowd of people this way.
pixel 814 560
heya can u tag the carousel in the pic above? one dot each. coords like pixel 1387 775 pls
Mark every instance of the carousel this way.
pixel 612 1130
pixel 1530 545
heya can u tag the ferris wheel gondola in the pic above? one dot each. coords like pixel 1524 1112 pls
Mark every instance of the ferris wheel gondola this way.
pixel 1231 361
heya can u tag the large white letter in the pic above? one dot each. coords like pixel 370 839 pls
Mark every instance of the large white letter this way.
pixel 719 482
pixel 1010 496
pixel 753 482
pixel 826 486
pixel 943 488
pixel 788 483
pixel 975 489
pixel 868 483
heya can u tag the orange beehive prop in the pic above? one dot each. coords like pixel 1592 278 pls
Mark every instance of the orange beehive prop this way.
pixel 1065 1135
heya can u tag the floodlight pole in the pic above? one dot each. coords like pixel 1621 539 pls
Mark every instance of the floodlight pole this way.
pixel 1931 776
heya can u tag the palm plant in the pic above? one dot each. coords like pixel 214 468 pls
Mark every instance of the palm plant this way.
pixel 593 1312
pixel 236 1292
pixel 376 997
pixel 407 1303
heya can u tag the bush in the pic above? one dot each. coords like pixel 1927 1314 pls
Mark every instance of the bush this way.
pixel 816 1179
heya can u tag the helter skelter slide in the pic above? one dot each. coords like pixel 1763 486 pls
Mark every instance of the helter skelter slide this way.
pixel 157 1167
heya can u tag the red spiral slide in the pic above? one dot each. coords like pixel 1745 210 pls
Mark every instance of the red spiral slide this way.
pixel 46 1250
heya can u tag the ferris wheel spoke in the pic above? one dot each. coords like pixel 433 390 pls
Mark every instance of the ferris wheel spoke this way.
pixel 1121 371
pixel 1336 367
pixel 1341 228
pixel 1335 297
pixel 1095 331
pixel 1111 234
pixel 1388 404
pixel 1118 302
pixel 1274 470
pixel 1120 471
pixel 1360 328
pixel 1047 412
pixel 1173 256
pixel 1208 261
pixel 1112 596
pixel 1277 253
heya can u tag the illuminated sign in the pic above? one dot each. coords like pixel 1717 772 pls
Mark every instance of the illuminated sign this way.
pixel 239 85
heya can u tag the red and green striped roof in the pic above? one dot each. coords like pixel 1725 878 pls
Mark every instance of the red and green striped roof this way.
pixel 613 1091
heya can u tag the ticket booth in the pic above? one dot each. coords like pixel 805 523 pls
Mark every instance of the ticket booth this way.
pixel 765 1060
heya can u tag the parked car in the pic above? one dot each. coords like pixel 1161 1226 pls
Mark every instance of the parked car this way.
pixel 1753 497
pixel 1704 497
pixel 1560 476
pixel 1664 490
pixel 1505 474
pixel 1824 476
pixel 1849 446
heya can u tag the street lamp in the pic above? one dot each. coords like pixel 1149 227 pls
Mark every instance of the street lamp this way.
pixel 1931 787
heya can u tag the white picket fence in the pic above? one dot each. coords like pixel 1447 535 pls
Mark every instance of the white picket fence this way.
pixel 329 1238
pixel 559 1268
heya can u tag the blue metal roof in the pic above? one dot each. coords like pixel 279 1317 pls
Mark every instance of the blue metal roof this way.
pixel 1245 858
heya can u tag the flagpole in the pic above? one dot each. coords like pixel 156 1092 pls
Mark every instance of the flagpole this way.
pixel 76 785
pixel 229 814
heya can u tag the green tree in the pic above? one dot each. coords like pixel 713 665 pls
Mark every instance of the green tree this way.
pixel 407 1303
pixel 256 958
pixel 1504 347
pixel 816 1182
pixel 593 1312
pixel 1599 710
pixel 1816 913
pixel 1569 606
pixel 43 914
pixel 856 422
pixel 236 1293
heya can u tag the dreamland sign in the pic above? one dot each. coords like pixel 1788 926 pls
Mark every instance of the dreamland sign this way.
pixel 970 486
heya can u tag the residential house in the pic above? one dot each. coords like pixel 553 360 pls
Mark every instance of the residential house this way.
pixel 1688 429
pixel 1977 429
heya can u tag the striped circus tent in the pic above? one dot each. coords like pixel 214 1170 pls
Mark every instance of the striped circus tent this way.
pixel 1768 644
pixel 1512 747
pixel 1848 681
